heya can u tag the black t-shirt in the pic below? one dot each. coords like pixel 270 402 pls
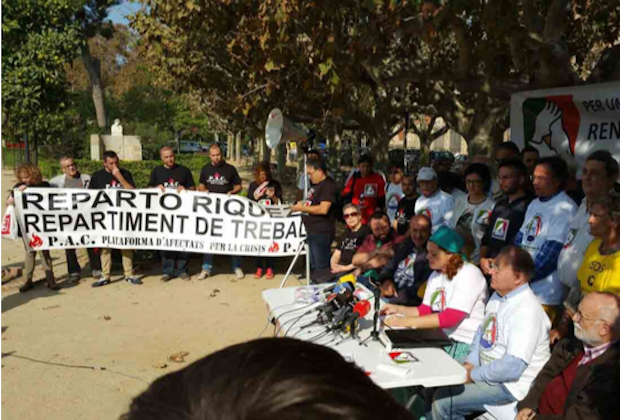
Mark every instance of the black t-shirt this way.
pixel 404 213
pixel 326 190
pixel 504 224
pixel 349 244
pixel 219 179
pixel 263 198
pixel 175 177
pixel 103 180
pixel 43 184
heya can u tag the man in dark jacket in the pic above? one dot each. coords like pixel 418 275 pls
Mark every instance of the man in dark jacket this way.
pixel 408 269
pixel 581 380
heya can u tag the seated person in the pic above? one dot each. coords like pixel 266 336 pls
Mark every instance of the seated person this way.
pixel 581 380
pixel 377 248
pixel 600 268
pixel 510 347
pixel 267 379
pixel 454 296
pixel 408 270
pixel 341 262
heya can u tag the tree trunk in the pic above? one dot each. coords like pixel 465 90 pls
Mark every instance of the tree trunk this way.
pixel 281 154
pixel 238 147
pixel 266 151
pixel 93 67
pixel 230 145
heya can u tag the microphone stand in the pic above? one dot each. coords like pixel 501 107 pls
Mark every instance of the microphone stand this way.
pixel 374 334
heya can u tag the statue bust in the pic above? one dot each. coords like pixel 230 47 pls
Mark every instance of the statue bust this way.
pixel 117 128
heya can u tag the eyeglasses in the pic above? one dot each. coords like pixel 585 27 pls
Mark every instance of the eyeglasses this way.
pixel 473 182
pixel 581 316
pixel 354 214
pixel 507 177
pixel 70 165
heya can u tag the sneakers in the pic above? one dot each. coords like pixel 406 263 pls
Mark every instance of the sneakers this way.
pixel 166 278
pixel 185 276
pixel 269 275
pixel 101 282
pixel 259 273
pixel 239 273
pixel 96 273
pixel 74 277
pixel 203 275
pixel 133 280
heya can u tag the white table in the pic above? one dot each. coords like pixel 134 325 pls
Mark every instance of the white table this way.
pixel 434 367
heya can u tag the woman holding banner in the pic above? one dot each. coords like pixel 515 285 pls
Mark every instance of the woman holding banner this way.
pixel 267 191
pixel 29 175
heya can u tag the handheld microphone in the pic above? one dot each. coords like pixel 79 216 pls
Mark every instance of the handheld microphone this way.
pixel 360 310
pixel 327 310
pixel 349 278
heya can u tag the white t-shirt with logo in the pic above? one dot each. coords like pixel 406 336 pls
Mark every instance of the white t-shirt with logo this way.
pixel 517 326
pixel 393 194
pixel 480 216
pixel 547 221
pixel 575 247
pixel 438 207
pixel 466 292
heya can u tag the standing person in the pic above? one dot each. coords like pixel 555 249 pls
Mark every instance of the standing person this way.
pixel 545 229
pixel 267 191
pixel 506 151
pixel 367 188
pixel 394 191
pixel 473 213
pixel 29 175
pixel 530 156
pixel 311 154
pixel 508 213
pixel 406 205
pixel 510 347
pixel 221 178
pixel 319 219
pixel 454 296
pixel 433 203
pixel 600 172
pixel 73 178
pixel 171 176
pixel 113 177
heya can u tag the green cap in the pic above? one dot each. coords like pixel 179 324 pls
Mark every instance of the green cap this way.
pixel 448 239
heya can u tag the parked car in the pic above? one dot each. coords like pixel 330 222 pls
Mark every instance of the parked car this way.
pixel 190 146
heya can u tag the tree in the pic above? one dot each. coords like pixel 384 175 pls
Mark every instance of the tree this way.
pixel 38 39
pixel 364 65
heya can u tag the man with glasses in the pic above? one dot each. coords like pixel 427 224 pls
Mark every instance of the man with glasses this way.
pixel 377 248
pixel 508 213
pixel 581 379
pixel 72 178
pixel 545 229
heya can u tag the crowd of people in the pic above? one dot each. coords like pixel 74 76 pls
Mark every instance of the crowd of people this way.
pixel 516 260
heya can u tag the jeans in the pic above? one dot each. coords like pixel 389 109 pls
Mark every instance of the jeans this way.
pixel 168 258
pixel 73 266
pixel 207 262
pixel 264 262
pixel 320 249
pixel 456 402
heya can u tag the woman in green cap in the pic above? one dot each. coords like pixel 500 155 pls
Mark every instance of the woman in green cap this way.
pixel 454 298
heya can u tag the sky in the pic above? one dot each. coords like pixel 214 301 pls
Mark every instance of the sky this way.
pixel 118 14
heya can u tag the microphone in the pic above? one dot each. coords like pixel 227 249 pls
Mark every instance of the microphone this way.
pixel 339 300
pixel 348 279
pixel 360 310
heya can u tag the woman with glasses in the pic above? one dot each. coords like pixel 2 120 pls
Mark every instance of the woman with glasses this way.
pixel 267 191
pixel 600 269
pixel 472 213
pixel 341 260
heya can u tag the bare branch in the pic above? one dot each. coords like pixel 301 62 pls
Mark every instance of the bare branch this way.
pixel 533 22
pixel 557 19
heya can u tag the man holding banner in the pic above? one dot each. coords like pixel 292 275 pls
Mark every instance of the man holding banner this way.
pixel 222 178
pixel 113 177
pixel 171 176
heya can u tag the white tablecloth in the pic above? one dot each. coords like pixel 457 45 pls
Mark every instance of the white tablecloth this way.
pixel 433 368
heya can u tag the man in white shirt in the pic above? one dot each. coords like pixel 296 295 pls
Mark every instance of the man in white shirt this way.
pixel 433 203
pixel 510 347
pixel 545 229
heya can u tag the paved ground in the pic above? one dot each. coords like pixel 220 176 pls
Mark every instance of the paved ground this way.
pixel 52 341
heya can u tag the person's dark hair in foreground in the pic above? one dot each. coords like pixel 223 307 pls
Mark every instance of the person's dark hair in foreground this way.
pixel 267 379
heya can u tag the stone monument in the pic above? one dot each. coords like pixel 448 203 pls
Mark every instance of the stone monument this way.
pixel 117 128
pixel 126 147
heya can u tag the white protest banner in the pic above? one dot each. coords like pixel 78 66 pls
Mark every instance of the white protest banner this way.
pixel 149 219
pixel 572 122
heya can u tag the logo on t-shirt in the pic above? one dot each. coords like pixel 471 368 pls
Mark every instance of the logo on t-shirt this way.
pixel 483 216
pixel 489 332
pixel 438 300
pixel 500 229
pixel 393 200
pixel 572 234
pixel 217 179
pixel 404 275
pixel 426 212
pixel 171 183
pixel 370 190
pixel 533 228
pixel 114 184
pixel 265 201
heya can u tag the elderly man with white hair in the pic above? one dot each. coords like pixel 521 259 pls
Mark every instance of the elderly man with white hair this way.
pixel 582 378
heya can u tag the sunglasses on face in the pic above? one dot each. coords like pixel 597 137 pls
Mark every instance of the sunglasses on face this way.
pixel 354 214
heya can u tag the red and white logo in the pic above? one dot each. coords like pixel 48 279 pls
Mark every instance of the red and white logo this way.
pixel 6 225
pixel 274 247
pixel 35 241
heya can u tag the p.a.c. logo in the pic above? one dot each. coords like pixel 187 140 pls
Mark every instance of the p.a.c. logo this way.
pixel 533 228
pixel 438 300
pixel 551 124
pixel 426 212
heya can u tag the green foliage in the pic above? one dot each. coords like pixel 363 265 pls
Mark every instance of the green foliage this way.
pixel 140 170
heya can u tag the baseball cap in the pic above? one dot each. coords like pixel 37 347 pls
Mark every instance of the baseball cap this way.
pixel 427 174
